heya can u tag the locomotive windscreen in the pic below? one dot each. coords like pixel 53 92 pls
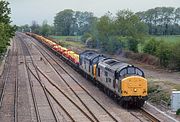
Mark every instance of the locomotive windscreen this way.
pixel 131 70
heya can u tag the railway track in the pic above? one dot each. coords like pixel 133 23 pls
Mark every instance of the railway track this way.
pixel 64 95
pixel 24 50
pixel 143 115
pixel 9 91
pixel 51 94
pixel 149 115
pixel 27 64
pixel 56 70
pixel 16 92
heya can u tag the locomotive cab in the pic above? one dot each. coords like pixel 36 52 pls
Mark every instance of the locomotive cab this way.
pixel 133 82
pixel 133 85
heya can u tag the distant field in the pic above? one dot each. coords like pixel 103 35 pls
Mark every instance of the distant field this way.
pixel 76 38
pixel 76 43
pixel 173 38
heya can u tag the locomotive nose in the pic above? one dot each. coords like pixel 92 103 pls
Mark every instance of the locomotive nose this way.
pixel 134 86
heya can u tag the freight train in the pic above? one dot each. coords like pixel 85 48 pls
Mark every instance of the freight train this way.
pixel 123 82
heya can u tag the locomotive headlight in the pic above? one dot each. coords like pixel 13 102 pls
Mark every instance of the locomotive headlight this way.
pixel 135 90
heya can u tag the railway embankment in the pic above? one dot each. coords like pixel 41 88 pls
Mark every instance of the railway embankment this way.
pixel 3 59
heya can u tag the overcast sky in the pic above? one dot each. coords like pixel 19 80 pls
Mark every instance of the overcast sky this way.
pixel 24 11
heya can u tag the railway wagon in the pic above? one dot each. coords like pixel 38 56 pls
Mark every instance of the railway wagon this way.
pixel 124 82
pixel 57 48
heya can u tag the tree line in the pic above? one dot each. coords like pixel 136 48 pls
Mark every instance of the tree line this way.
pixel 6 30
pixel 45 29
pixel 159 21
pixel 66 23
pixel 162 20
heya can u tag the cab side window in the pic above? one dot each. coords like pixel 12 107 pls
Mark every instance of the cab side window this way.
pixel 123 72
pixel 99 72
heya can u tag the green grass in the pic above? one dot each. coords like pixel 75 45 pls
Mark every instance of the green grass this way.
pixel 169 38
pixel 76 43
pixel 76 38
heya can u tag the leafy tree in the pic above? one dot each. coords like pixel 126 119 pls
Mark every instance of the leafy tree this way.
pixel 177 16
pixel 63 22
pixel 35 27
pixel 83 21
pixel 45 29
pixel 129 24
pixel 108 28
pixel 24 28
pixel 4 12
pixel 69 22
pixel 104 28
pixel 6 30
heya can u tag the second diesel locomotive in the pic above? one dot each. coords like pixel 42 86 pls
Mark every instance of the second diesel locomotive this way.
pixel 124 82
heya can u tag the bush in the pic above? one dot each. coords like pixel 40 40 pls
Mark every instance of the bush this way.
pixel 113 45
pixel 151 46
pixel 168 53
pixel 175 58
pixel 164 53
pixel 133 45
pixel 142 57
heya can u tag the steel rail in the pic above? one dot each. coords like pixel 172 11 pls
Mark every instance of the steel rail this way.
pixel 73 79
pixel 16 91
pixel 65 95
pixel 52 95
pixel 72 90
pixel 31 86
pixel 42 85
pixel 149 115
pixel 58 89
